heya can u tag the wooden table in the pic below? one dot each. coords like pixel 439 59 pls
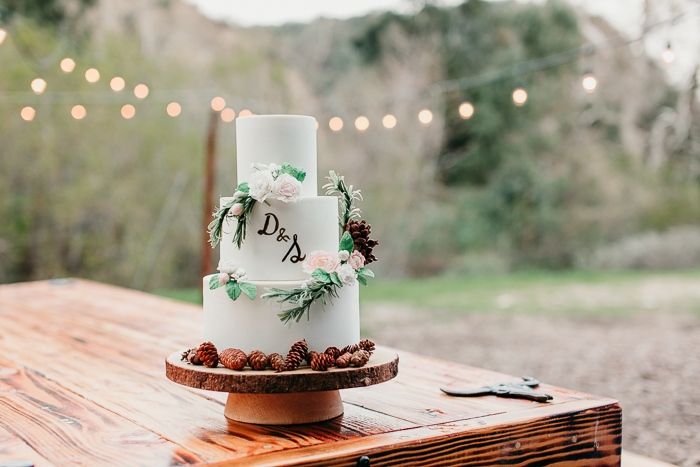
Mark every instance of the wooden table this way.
pixel 82 382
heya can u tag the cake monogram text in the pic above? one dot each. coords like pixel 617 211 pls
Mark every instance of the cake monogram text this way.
pixel 271 227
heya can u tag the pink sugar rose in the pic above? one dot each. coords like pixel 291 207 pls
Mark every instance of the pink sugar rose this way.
pixel 356 260
pixel 237 209
pixel 287 188
pixel 223 278
pixel 329 262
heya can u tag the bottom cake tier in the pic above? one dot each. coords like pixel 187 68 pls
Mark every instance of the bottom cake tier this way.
pixel 253 324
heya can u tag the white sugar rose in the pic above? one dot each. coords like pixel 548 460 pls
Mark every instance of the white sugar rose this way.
pixel 356 260
pixel 329 262
pixel 287 189
pixel 228 266
pixel 347 274
pixel 261 185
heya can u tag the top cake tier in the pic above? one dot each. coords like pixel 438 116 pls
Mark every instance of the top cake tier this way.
pixel 266 139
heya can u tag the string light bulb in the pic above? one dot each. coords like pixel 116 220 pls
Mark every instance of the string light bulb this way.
pixel 389 121
pixel 361 123
pixel 141 91
pixel 218 103
pixel 245 113
pixel 3 35
pixel 335 124
pixel 589 82
pixel 667 56
pixel 425 116
pixel 519 96
pixel 92 75
pixel 27 113
pixel 173 109
pixel 117 83
pixel 67 65
pixel 78 112
pixel 38 85
pixel 128 111
pixel 466 110
pixel 228 114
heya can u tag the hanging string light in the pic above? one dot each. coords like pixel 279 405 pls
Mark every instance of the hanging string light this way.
pixel 667 56
pixel 361 123
pixel 3 35
pixel 117 84
pixel 28 113
pixel 425 116
pixel 519 96
pixel 228 114
pixel 141 91
pixel 218 103
pixel 335 124
pixel 245 113
pixel 466 110
pixel 67 65
pixel 589 81
pixel 38 85
pixel 389 121
pixel 92 75
pixel 128 111
pixel 78 112
pixel 173 109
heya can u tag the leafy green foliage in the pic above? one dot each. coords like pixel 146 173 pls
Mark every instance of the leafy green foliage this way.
pixel 233 289
pixel 51 12
pixel 299 174
pixel 346 243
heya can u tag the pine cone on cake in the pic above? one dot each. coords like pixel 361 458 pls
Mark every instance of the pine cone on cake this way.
pixel 360 232
pixel 366 345
pixel 296 354
pixel 277 362
pixel 322 361
pixel 257 360
pixel 190 355
pixel 234 359
pixel 334 351
pixel 310 355
pixel 359 358
pixel 208 355
pixel 344 360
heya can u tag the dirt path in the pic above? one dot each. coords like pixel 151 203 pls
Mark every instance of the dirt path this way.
pixel 650 361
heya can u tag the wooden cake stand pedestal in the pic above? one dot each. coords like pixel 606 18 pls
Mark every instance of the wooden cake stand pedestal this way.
pixel 286 398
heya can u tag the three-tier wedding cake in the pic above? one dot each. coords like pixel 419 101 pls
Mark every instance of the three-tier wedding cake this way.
pixel 281 247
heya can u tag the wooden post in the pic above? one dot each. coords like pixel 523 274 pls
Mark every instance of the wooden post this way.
pixel 206 266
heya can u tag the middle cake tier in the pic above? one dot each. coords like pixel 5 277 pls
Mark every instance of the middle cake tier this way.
pixel 281 235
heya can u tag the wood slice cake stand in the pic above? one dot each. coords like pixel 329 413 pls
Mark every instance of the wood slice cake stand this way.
pixel 286 398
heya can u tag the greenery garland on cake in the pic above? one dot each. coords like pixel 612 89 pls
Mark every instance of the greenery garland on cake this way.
pixel 281 182
pixel 331 270
pixel 232 277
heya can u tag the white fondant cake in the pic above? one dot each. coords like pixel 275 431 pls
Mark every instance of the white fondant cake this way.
pixel 280 235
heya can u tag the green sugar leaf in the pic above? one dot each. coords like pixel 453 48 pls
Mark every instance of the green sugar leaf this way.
pixel 243 187
pixel 233 289
pixel 321 276
pixel 346 243
pixel 249 289
pixel 214 282
pixel 361 279
pixel 299 174
pixel 335 279
pixel 365 272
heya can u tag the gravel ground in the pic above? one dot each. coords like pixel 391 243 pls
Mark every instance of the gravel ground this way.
pixel 649 361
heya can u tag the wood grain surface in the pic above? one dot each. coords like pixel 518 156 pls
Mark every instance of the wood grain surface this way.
pixel 82 382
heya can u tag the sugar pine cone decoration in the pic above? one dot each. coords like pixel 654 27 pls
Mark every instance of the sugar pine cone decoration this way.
pixel 296 354
pixel 334 351
pixel 190 355
pixel 257 360
pixel 235 359
pixel 343 361
pixel 208 354
pixel 277 362
pixel 360 232
pixel 359 358
pixel 322 361
pixel 366 345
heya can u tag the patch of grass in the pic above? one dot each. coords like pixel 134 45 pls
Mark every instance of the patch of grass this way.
pixel 192 295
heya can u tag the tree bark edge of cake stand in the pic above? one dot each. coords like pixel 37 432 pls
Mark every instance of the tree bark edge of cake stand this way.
pixel 382 366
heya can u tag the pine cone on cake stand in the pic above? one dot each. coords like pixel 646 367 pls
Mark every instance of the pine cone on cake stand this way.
pixel 277 362
pixel 257 360
pixel 344 360
pixel 322 361
pixel 296 354
pixel 208 354
pixel 234 359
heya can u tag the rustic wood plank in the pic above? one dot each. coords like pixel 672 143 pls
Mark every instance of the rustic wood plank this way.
pixel 14 449
pixel 68 429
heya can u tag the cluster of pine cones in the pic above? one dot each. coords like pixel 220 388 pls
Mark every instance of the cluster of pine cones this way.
pixel 351 355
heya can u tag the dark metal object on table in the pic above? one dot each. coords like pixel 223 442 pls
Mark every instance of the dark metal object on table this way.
pixel 522 390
